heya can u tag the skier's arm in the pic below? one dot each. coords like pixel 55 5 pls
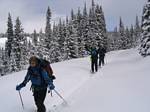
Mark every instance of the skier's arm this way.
pixel 23 84
pixel 26 79
pixel 47 79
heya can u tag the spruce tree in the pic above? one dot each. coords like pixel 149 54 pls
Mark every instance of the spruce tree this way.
pixel 145 39
pixel 137 30
pixel 85 28
pixel 55 55
pixel 80 38
pixel 10 35
pixel 16 53
pixel 72 41
pixel 122 41
pixel 35 38
pixel 48 36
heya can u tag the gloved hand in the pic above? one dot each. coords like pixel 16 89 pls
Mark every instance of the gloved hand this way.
pixel 18 87
pixel 51 86
pixel 52 77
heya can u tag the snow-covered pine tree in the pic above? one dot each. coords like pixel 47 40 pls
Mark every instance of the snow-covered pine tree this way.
pixel 80 38
pixel 16 53
pixel 123 40
pixel 132 36
pixel 64 34
pixel 111 40
pixel 61 40
pixel 68 33
pixel 101 37
pixel 85 23
pixel 48 37
pixel 10 37
pixel 137 30
pixel 128 38
pixel 25 54
pixel 35 38
pixel 55 46
pixel 92 29
pixel 72 40
pixel 145 39
pixel 41 37
pixel 4 66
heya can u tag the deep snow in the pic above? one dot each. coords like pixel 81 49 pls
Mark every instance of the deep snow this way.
pixel 122 85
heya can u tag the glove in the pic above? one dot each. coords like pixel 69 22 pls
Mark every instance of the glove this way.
pixel 51 86
pixel 18 87
pixel 53 77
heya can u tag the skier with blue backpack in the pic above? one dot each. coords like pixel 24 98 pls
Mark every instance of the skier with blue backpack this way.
pixel 40 80
pixel 94 59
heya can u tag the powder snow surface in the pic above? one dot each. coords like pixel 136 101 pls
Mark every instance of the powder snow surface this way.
pixel 122 85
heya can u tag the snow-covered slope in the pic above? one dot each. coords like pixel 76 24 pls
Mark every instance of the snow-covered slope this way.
pixel 122 85
pixel 2 42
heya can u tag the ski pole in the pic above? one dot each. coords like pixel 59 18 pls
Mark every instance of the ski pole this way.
pixel 50 91
pixel 21 100
pixel 60 96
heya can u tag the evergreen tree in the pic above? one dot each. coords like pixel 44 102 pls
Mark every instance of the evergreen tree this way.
pixel 85 27
pixel 128 38
pixel 16 53
pixel 123 40
pixel 10 35
pixel 55 57
pixel 145 41
pixel 61 39
pixel 80 38
pixel 68 33
pixel 101 27
pixel 132 36
pixel 4 65
pixel 35 38
pixel 137 30
pixel 48 39
pixel 72 40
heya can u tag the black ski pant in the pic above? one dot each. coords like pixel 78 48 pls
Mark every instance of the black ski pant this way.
pixel 39 97
pixel 101 61
pixel 94 65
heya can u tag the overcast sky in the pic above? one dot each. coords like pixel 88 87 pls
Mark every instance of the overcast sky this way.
pixel 32 12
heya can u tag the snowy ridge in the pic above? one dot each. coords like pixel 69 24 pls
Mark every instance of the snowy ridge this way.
pixel 122 85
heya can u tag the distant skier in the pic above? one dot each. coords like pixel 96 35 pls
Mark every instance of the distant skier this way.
pixel 94 59
pixel 40 81
pixel 101 53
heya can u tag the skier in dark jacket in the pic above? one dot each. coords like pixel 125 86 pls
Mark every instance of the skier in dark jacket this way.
pixel 40 81
pixel 94 59
pixel 101 53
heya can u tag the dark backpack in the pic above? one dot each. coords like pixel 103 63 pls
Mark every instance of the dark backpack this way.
pixel 93 52
pixel 44 64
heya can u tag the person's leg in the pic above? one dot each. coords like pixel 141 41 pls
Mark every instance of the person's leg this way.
pixel 103 61
pixel 92 66
pixel 96 67
pixel 39 97
pixel 99 62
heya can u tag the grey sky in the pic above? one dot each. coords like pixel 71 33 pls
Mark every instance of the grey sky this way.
pixel 32 12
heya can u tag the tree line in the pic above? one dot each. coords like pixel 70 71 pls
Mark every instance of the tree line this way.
pixel 70 38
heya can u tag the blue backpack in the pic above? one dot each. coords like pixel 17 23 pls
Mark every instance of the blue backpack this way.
pixel 93 52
